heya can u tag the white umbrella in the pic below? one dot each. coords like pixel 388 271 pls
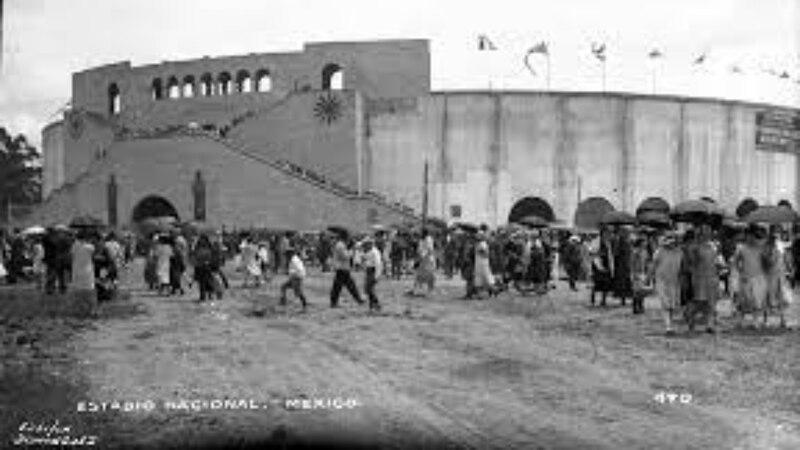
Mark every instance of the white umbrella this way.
pixel 36 229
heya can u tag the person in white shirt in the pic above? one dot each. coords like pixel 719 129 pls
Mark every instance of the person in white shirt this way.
pixel 297 273
pixel 373 266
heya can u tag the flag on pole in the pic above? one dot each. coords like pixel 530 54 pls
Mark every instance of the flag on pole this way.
pixel 484 43
pixel 700 59
pixel 655 54
pixel 599 51
pixel 540 48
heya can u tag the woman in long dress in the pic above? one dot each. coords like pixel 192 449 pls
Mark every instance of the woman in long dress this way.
pixel 83 280
pixel 163 256
pixel 602 266
pixel 704 272
pixel 750 287
pixel 250 263
pixel 666 272
pixel 427 263
pixel 775 271
pixel 484 279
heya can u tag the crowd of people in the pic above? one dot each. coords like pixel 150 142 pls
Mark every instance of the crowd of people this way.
pixel 689 270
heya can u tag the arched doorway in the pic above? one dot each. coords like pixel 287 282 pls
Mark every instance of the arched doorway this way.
pixel 591 211
pixel 153 206
pixel 531 206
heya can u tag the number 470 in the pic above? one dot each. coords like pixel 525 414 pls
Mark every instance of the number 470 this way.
pixel 672 397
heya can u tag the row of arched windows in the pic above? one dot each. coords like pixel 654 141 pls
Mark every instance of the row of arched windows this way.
pixel 208 85
pixel 225 83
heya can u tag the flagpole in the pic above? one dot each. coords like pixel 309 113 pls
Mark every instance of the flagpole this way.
pixel 653 78
pixel 548 71
pixel 425 194
pixel 604 74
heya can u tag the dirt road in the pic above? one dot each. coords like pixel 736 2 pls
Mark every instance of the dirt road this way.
pixel 513 372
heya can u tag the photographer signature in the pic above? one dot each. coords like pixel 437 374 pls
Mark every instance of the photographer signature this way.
pixel 53 433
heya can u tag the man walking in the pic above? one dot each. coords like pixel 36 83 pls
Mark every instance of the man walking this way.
pixel 342 261
pixel 297 273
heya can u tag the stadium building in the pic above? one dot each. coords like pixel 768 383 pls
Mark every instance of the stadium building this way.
pixel 342 132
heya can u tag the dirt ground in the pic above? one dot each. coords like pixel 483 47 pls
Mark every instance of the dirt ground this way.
pixel 440 372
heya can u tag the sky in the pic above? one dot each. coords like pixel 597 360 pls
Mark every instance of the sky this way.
pixel 45 41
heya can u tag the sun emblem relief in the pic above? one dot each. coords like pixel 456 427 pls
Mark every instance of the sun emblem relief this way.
pixel 328 108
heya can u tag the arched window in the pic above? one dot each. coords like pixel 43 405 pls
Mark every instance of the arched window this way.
pixel 243 81
pixel 332 77
pixel 173 89
pixel 188 86
pixel 224 83
pixel 113 99
pixel 157 89
pixel 263 81
pixel 206 85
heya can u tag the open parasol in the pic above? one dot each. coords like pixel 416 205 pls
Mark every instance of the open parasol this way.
pixel 340 231
pixel 533 222
pixel 697 211
pixel 34 230
pixel 652 218
pixel 466 226
pixel 651 204
pixel 772 215
pixel 86 221
pixel 618 218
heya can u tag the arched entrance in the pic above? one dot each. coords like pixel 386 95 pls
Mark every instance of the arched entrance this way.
pixel 591 211
pixel 531 206
pixel 153 206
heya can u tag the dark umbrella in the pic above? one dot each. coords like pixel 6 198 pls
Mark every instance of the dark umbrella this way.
pixel 746 207
pixel 772 215
pixel 653 204
pixel 437 223
pixel 340 231
pixel 86 222
pixel 734 224
pixel 534 222
pixel 466 226
pixel 655 219
pixel 618 218
pixel 697 211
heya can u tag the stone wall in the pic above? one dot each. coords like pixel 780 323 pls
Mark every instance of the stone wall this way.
pixel 488 150
pixel 241 191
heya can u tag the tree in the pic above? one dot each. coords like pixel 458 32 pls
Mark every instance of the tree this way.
pixel 20 173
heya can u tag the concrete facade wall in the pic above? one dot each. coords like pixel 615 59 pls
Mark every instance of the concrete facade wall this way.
pixel 293 131
pixel 240 192
pixel 398 68
pixel 53 157
pixel 488 150
pixel 87 135
pixel 377 69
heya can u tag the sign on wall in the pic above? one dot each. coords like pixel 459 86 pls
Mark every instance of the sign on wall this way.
pixel 778 131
